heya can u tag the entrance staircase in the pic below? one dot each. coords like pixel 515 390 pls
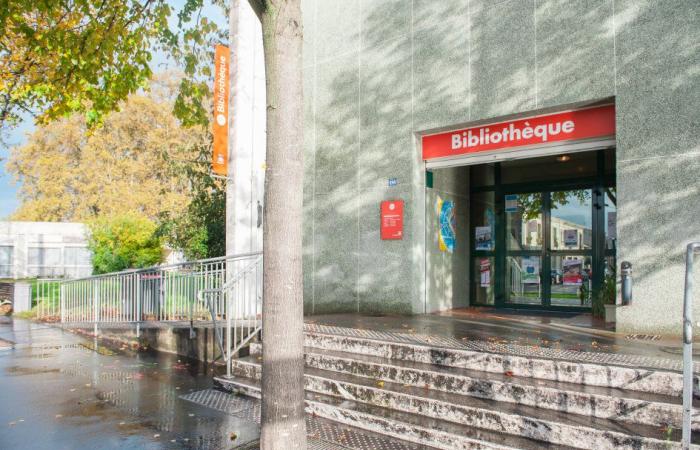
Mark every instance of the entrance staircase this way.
pixel 447 395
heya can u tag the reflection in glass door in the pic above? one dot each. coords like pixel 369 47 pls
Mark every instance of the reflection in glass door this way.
pixel 571 246
pixel 524 247
pixel 549 242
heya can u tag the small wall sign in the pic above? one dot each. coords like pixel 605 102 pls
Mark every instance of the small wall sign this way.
pixel 391 219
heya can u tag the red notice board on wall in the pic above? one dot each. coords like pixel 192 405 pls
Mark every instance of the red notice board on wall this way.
pixel 391 219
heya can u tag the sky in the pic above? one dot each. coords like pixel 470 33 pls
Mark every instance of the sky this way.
pixel 8 187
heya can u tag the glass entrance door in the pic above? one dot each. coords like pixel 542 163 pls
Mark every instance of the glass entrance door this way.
pixel 548 248
pixel 570 249
pixel 524 249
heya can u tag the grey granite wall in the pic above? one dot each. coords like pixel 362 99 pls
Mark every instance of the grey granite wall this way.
pixel 378 72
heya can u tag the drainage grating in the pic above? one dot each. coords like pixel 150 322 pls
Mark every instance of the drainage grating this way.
pixel 323 434
pixel 643 337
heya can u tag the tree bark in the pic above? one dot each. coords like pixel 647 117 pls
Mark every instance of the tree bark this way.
pixel 283 424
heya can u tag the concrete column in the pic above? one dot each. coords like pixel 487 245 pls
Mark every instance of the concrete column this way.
pixel 245 187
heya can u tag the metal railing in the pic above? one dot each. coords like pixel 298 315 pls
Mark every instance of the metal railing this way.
pixel 46 298
pixel 691 250
pixel 161 293
pixel 236 309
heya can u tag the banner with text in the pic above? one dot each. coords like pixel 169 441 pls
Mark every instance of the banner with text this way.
pixel 571 125
pixel 220 125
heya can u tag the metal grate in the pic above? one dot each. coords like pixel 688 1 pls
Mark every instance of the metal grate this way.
pixel 323 434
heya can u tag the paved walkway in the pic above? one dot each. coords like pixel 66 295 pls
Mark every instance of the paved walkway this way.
pixel 554 336
pixel 59 391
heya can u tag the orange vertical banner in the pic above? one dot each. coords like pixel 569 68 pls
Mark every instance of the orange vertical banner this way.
pixel 220 128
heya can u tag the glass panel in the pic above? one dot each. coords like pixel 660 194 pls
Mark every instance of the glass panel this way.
pixel 483 221
pixel 571 279
pixel 5 254
pixel 560 167
pixel 34 256
pixel 52 257
pixel 571 224
pixel 70 256
pixel 609 287
pixel 77 256
pixel 523 281
pixel 5 261
pixel 610 218
pixel 484 277
pixel 524 221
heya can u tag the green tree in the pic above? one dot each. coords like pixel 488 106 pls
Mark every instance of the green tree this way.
pixel 122 242
pixel 200 230
pixel 62 56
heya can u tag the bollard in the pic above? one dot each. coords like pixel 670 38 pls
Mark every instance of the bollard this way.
pixel 626 282
pixel 691 250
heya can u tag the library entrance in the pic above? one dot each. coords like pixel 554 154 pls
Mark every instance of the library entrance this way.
pixel 544 231
pixel 522 213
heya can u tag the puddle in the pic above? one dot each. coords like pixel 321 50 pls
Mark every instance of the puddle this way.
pixel 18 370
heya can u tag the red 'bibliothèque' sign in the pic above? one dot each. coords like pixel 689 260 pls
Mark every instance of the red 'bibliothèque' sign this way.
pixel 565 126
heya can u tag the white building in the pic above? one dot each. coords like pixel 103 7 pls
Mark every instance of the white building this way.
pixel 44 249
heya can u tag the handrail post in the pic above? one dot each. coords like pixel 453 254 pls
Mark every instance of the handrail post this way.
pixel 688 344
pixel 61 292
pixel 228 311
pixel 95 302
pixel 137 281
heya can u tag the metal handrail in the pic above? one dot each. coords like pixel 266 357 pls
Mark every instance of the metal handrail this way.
pixel 692 248
pixel 238 301
pixel 171 266
pixel 202 296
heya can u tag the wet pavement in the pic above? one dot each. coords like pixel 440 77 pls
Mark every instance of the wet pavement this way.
pixel 560 331
pixel 62 391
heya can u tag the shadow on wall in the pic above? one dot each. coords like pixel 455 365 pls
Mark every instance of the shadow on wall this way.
pixel 420 72
pixel 363 126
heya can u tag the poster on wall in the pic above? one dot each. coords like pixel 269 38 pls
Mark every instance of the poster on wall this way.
pixel 485 272
pixel 572 269
pixel 570 238
pixel 484 239
pixel 531 270
pixel 391 219
pixel 446 225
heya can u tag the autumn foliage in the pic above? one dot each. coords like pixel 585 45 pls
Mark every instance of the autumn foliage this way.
pixel 130 164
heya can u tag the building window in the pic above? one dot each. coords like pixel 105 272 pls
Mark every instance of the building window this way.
pixel 44 262
pixel 6 261
pixel 78 262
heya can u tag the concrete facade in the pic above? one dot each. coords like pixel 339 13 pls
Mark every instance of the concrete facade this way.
pixel 378 74
pixel 44 249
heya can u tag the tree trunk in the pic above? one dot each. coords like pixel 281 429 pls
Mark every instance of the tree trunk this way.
pixel 283 425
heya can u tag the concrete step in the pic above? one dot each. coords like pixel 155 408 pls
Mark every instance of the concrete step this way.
pixel 571 369
pixel 405 426
pixel 592 401
pixel 543 425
